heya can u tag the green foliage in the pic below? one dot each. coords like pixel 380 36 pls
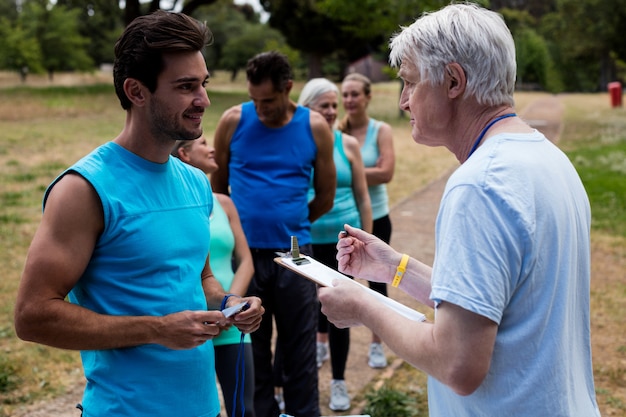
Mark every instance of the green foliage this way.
pixel 350 29
pixel 8 378
pixel 586 37
pixel 237 37
pixel 251 40
pixel 388 402
pixel 44 37
pixel 225 22
pixel 534 63
pixel 101 22
pixel 56 30
pixel 19 49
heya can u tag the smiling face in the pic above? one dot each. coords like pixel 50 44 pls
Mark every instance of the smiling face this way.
pixel 200 154
pixel 178 103
pixel 355 100
pixel 326 104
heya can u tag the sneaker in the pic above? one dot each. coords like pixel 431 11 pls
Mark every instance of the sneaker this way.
pixel 278 396
pixel 322 353
pixel 339 398
pixel 377 357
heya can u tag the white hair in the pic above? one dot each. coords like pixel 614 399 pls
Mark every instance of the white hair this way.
pixel 475 38
pixel 314 88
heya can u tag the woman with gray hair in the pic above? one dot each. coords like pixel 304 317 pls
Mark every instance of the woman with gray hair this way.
pixel 510 283
pixel 351 206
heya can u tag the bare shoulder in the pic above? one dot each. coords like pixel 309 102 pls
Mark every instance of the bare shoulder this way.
pixel 231 115
pixel 76 186
pixel 350 142
pixel 225 129
pixel 74 207
pixel 223 199
pixel 319 127
pixel 385 129
pixel 317 119
pixel 226 202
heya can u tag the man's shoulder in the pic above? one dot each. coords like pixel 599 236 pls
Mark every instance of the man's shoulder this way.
pixel 232 114
pixel 320 128
pixel 316 119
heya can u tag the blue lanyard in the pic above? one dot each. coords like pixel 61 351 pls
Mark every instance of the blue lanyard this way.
pixel 482 133
pixel 240 369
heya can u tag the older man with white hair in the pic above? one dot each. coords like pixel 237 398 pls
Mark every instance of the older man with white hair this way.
pixel 511 276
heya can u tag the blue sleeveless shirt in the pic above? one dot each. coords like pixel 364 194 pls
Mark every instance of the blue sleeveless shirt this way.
pixel 148 261
pixel 345 210
pixel 269 174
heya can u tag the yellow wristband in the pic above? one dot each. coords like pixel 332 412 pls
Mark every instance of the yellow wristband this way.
pixel 400 270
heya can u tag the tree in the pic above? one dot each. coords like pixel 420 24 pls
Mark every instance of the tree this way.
pixel 587 39
pixel 101 22
pixel 251 40
pixel 134 8
pixel 348 28
pixel 9 10
pixel 56 29
pixel 226 21
pixel 19 50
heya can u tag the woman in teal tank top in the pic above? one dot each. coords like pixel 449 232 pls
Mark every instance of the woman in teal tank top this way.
pixel 351 206
pixel 376 140
pixel 228 246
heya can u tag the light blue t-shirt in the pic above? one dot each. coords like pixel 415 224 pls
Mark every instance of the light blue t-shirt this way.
pixel 513 245
pixel 147 262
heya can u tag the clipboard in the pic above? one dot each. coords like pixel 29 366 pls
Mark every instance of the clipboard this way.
pixel 324 276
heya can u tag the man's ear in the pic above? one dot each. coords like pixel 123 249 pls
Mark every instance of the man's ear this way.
pixel 456 81
pixel 288 86
pixel 135 91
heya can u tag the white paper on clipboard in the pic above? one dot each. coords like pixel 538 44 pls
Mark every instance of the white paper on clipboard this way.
pixel 324 276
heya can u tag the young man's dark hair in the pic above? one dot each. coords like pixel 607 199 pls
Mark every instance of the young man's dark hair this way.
pixel 139 51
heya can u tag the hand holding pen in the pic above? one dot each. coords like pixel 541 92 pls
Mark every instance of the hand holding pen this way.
pixel 363 255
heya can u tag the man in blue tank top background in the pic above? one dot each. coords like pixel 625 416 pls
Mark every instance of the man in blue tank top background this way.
pixel 269 148
pixel 125 235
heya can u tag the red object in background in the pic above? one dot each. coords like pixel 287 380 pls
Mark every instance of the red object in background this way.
pixel 615 91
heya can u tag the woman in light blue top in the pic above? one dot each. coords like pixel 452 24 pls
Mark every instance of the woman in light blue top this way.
pixel 227 244
pixel 351 206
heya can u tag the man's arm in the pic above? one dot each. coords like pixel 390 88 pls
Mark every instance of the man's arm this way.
pixel 456 349
pixel 221 141
pixel 58 256
pixel 325 175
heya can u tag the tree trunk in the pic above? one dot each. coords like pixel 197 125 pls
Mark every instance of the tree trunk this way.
pixel 315 65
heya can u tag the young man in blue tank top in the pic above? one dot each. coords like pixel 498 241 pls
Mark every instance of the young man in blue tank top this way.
pixel 130 250
pixel 268 148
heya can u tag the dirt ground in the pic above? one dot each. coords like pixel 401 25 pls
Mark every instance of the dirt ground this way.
pixel 413 233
